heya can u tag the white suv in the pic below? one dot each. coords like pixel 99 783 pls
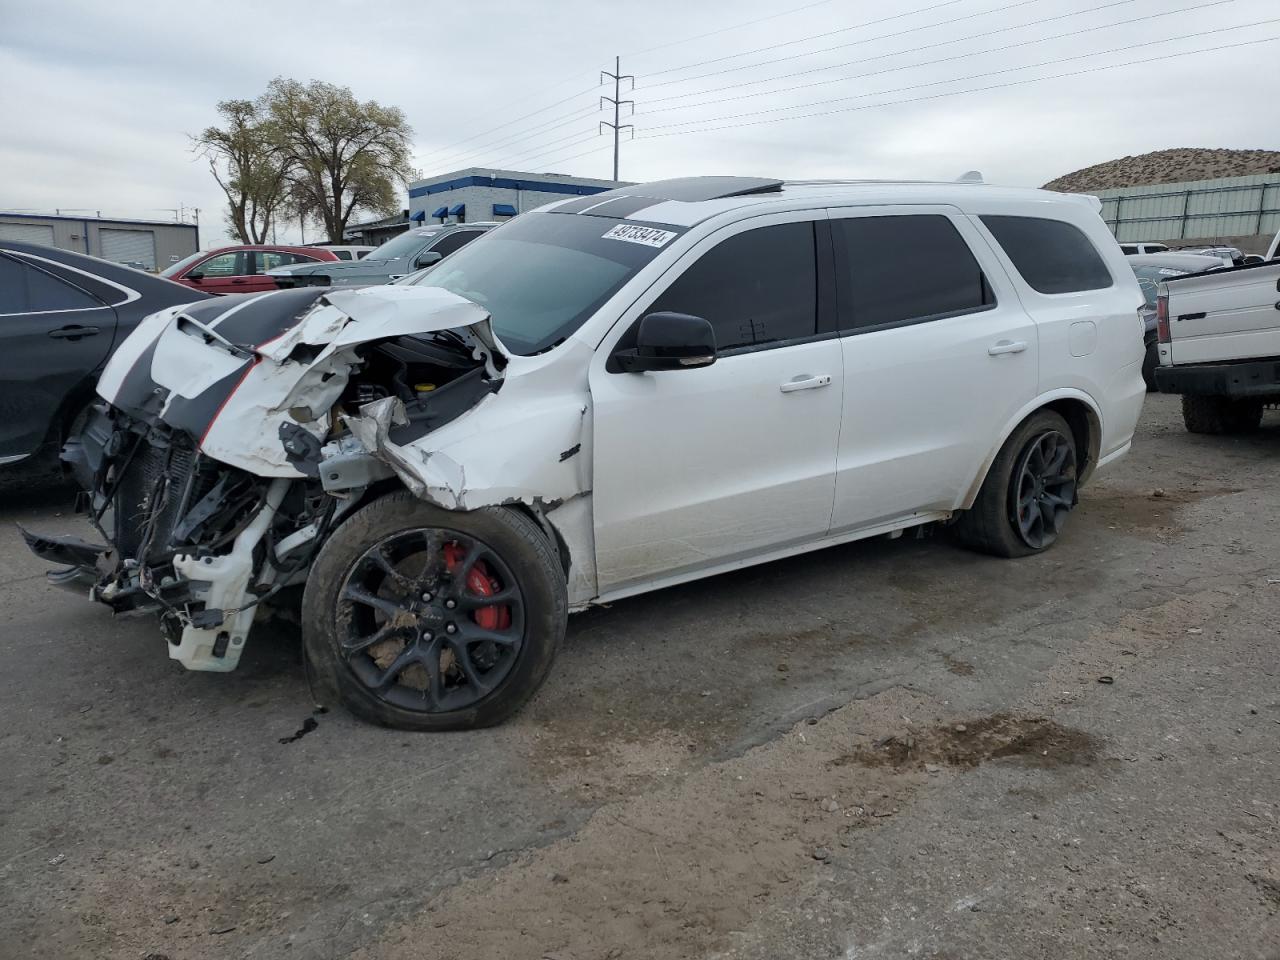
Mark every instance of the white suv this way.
pixel 606 396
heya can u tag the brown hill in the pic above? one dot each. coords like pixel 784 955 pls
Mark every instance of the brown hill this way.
pixel 1168 166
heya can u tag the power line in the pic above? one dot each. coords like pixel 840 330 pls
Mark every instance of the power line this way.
pixel 831 33
pixel 913 66
pixel 501 126
pixel 736 26
pixel 531 134
pixel 954 93
pixel 553 146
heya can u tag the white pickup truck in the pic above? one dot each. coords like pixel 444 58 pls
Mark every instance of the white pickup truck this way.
pixel 1219 345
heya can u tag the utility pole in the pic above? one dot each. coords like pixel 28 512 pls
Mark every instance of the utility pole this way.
pixel 617 126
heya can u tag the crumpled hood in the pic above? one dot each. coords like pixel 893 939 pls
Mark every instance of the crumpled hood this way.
pixel 232 372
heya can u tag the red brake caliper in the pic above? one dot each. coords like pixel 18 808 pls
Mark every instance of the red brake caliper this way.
pixel 480 583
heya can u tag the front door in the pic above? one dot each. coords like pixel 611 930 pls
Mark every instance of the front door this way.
pixel 701 468
pixel 938 352
pixel 52 337
pixel 230 272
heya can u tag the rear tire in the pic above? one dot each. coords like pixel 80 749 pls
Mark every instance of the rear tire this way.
pixel 1028 492
pixel 397 628
pixel 1219 415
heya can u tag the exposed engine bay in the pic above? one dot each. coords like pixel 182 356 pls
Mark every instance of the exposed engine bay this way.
pixel 238 431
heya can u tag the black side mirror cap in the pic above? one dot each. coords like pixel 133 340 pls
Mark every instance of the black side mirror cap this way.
pixel 197 277
pixel 669 341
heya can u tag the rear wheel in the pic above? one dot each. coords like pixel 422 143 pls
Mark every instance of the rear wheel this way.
pixel 428 619
pixel 1028 493
pixel 1220 414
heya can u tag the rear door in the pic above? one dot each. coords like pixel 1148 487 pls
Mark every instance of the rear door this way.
pixel 697 468
pixel 53 337
pixel 938 355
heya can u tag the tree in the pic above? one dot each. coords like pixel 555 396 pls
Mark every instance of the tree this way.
pixel 343 155
pixel 247 159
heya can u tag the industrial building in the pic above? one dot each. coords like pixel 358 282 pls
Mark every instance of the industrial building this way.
pixel 1242 212
pixel 481 193
pixel 145 244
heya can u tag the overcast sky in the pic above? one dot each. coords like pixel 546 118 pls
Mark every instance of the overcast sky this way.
pixel 101 97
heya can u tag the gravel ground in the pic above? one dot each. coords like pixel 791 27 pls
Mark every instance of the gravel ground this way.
pixel 891 749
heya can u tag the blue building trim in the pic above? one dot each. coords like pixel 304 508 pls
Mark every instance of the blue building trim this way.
pixel 457 209
pixel 504 210
pixel 440 211
pixel 541 186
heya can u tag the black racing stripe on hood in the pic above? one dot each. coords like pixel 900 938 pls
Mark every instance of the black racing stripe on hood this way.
pixel 195 415
pixel 257 321
pixel 139 395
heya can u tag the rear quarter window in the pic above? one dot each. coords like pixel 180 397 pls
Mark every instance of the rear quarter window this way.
pixel 1052 256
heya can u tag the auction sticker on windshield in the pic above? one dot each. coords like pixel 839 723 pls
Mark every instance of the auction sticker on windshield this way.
pixel 634 233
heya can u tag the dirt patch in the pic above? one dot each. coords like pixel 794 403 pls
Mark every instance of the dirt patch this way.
pixel 1153 509
pixel 1036 740
pixel 961 668
pixel 1268 888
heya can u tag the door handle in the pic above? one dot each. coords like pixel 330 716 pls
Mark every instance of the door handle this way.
pixel 240 280
pixel 804 382
pixel 1006 346
pixel 74 333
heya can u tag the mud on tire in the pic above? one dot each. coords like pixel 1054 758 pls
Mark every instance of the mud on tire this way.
pixel 422 618
pixel 1218 415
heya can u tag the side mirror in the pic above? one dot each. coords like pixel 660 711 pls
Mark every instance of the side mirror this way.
pixel 195 277
pixel 427 258
pixel 669 341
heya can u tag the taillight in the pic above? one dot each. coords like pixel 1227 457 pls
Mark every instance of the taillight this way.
pixel 1162 317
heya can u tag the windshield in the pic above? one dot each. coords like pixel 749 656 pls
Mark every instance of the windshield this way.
pixel 405 244
pixel 181 265
pixel 542 275
pixel 1150 277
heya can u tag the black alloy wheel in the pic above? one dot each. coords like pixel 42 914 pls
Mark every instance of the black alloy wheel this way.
pixel 1045 488
pixel 432 620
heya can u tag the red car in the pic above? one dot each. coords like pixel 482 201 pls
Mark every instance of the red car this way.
pixel 240 269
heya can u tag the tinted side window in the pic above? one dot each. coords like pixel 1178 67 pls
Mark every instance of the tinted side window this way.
pixel 13 286
pixel 50 293
pixel 905 269
pixel 1052 256
pixel 224 265
pixel 453 241
pixel 1127 250
pixel 756 287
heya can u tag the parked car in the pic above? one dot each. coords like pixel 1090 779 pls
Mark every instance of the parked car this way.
pixel 241 269
pixel 398 257
pixel 607 396
pixel 1151 270
pixel 1219 337
pixel 61 313
pixel 1134 249
pixel 347 251
pixel 1230 256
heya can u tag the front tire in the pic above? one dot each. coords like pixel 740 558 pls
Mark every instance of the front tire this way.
pixel 1219 415
pixel 421 618
pixel 1028 493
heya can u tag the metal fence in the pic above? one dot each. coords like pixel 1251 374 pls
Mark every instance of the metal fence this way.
pixel 1228 207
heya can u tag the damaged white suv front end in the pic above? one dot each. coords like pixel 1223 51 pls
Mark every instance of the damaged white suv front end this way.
pixel 241 430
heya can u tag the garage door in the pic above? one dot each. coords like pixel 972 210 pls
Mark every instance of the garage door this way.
pixel 27 232
pixel 134 247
